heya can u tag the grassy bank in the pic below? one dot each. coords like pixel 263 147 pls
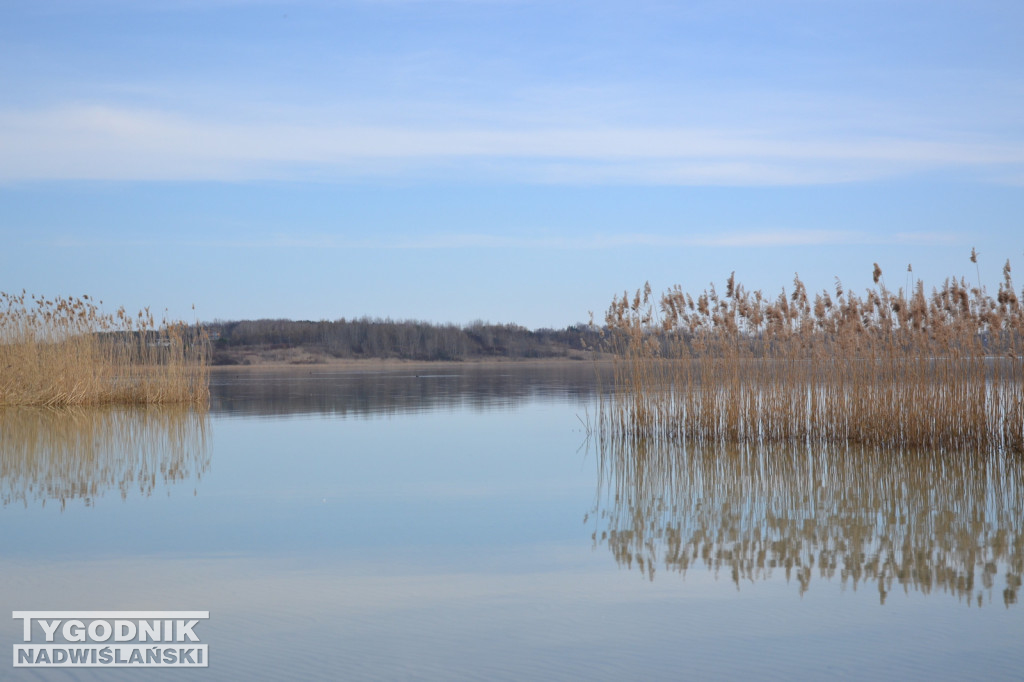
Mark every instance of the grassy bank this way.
pixel 903 368
pixel 64 351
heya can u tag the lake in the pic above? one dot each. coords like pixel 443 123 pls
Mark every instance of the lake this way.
pixel 460 522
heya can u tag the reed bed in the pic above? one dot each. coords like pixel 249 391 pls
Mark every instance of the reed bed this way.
pixel 65 351
pixel 908 368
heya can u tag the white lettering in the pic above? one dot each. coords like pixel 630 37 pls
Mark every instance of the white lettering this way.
pixel 185 630
pixel 149 631
pixel 94 630
pixel 127 628
pixel 124 630
pixel 48 627
pixel 74 631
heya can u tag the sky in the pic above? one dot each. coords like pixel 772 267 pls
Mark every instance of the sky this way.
pixel 512 161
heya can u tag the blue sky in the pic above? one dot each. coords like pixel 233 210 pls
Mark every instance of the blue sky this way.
pixel 512 161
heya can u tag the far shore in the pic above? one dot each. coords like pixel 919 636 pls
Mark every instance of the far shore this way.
pixel 396 363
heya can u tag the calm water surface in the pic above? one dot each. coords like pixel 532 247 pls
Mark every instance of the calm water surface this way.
pixel 459 524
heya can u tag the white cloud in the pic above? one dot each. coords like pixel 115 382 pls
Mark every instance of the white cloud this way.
pixel 94 142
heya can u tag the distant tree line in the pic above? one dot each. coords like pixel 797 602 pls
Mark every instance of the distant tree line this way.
pixel 406 339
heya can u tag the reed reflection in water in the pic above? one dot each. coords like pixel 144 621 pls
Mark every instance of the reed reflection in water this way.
pixel 82 453
pixel 913 520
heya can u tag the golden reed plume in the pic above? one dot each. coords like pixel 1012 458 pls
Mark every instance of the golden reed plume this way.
pixel 64 351
pixel 904 368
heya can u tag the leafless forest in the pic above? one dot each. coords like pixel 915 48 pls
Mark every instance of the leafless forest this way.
pixel 234 342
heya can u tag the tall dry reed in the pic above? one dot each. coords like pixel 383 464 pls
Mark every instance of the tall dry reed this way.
pixel 65 351
pixel 904 368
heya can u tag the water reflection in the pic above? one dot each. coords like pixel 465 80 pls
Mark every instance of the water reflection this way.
pixel 399 390
pixel 914 521
pixel 67 454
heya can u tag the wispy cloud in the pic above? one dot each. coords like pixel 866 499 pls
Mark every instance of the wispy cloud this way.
pixel 720 239
pixel 109 143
